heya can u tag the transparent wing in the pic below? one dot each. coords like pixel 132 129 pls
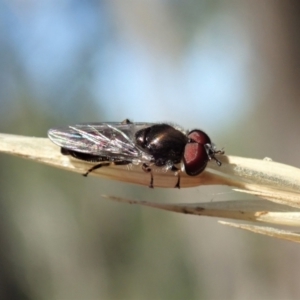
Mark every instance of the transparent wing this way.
pixel 102 139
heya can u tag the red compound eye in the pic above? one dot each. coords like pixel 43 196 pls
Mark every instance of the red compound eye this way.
pixel 199 137
pixel 195 158
pixel 195 155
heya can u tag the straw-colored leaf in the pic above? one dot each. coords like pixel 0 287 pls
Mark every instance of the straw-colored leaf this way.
pixel 277 184
pixel 44 151
pixel 246 210
pixel 270 231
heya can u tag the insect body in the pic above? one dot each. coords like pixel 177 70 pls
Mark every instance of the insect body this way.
pixel 147 144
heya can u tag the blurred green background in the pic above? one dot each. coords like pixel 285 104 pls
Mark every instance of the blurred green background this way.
pixel 230 68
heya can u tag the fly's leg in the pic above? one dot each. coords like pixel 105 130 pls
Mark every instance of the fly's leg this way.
pixel 169 165
pixel 147 169
pixel 175 169
pixel 221 152
pixel 87 157
pixel 93 168
pixel 117 163
pixel 211 151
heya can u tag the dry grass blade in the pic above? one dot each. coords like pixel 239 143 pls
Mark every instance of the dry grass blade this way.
pixel 44 151
pixel 246 210
pixel 264 178
pixel 270 231
pixel 263 172
pixel 242 173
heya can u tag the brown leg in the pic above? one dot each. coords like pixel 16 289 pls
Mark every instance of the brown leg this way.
pixel 175 169
pixel 147 169
pixel 93 168
pixel 117 163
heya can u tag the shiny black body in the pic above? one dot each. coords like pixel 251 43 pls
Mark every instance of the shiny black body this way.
pixel 163 142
